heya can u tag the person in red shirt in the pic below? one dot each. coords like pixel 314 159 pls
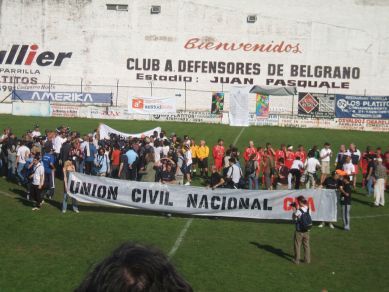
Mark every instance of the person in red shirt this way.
pixel 115 161
pixel 249 151
pixel 301 153
pixel 218 152
pixel 280 153
pixel 386 160
pixel 379 153
pixel 289 157
pixel 260 153
pixel 364 162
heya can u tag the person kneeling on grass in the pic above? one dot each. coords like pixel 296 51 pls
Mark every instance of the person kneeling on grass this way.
pixel 216 179
pixel 67 169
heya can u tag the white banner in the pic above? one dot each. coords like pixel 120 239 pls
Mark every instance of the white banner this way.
pixel 239 106
pixel 200 201
pixel 152 105
pixel 105 131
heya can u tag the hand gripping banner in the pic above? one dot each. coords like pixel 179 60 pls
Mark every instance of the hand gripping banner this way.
pixel 198 200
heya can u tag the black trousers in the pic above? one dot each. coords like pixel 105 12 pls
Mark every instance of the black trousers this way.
pixel 36 194
pixel 297 176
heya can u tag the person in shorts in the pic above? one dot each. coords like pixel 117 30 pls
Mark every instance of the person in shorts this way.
pixel 325 158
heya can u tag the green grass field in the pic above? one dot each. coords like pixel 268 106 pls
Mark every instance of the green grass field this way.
pixel 51 251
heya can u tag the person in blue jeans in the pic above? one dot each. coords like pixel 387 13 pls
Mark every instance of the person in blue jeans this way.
pixel 252 172
pixel 90 152
pixel 370 175
pixel 67 169
pixel 48 161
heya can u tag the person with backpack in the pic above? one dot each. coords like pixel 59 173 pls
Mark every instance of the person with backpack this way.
pixel 251 172
pixel 303 221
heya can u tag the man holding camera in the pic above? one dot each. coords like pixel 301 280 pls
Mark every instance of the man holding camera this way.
pixel 301 216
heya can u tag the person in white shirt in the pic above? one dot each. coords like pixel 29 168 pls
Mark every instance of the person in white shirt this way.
pixel 355 155
pixel 325 158
pixel 311 166
pixel 22 154
pixel 188 164
pixel 295 172
pixel 36 132
pixel 157 150
pixel 234 174
pixel 38 179
pixel 58 141
pixel 349 168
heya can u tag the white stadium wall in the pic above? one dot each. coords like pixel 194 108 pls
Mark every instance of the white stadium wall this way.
pixel 192 48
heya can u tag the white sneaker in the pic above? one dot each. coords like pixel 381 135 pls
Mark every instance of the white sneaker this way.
pixel 187 184
pixel 76 210
pixel 35 209
pixel 331 226
pixel 64 211
pixel 321 225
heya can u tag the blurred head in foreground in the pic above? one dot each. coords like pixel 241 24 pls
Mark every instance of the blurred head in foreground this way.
pixel 133 267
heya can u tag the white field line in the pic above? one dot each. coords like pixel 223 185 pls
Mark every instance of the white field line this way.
pixel 237 137
pixel 180 238
pixel 182 234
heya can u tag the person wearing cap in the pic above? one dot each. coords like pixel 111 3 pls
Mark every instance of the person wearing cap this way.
pixel 300 236
pixel 38 178
pixel 345 198
pixel 380 182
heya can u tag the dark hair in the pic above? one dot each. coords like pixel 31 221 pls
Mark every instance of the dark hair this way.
pixel 302 199
pixel 133 267
pixel 232 160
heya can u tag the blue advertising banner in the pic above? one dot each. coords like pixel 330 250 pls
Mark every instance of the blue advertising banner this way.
pixel 365 107
pixel 68 97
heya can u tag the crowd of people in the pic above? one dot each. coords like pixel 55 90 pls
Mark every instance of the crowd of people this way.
pixel 35 159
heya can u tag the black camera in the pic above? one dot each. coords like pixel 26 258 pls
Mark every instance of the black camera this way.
pixel 293 205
